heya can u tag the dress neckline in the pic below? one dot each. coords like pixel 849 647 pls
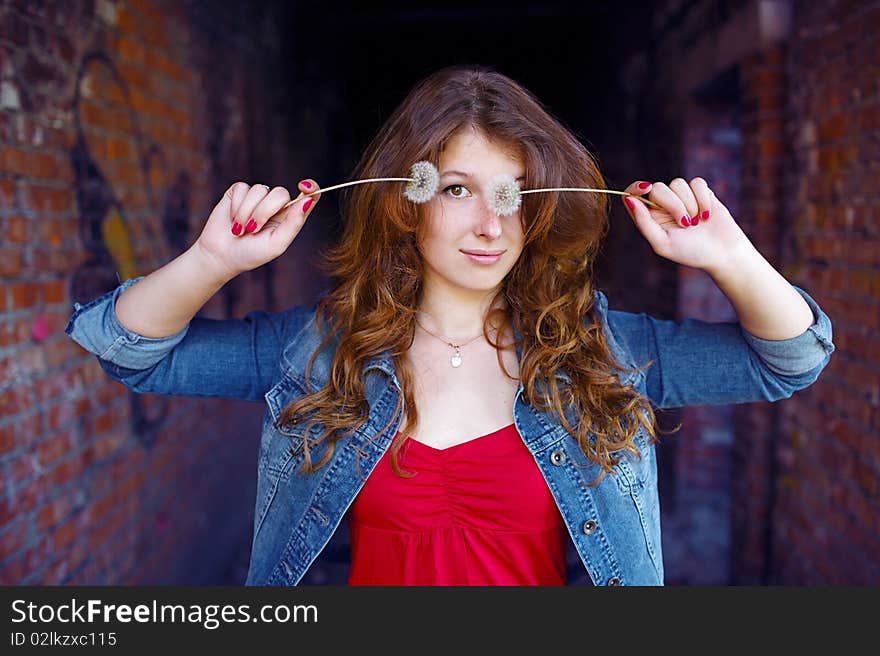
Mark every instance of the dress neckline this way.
pixel 467 444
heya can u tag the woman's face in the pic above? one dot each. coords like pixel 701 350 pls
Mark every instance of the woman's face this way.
pixel 460 221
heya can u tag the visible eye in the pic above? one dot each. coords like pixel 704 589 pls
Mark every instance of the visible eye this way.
pixel 457 193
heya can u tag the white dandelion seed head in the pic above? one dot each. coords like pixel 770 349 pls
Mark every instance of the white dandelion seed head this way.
pixel 504 197
pixel 424 184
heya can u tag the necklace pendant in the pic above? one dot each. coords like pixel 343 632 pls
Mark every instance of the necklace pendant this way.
pixel 455 360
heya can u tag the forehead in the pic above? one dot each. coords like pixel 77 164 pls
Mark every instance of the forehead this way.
pixel 469 145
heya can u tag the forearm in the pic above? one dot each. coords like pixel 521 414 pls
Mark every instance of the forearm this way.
pixel 164 302
pixel 765 302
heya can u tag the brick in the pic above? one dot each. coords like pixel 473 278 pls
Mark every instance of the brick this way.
pixel 14 570
pixel 131 49
pixel 17 230
pixel 11 402
pixel 7 193
pixel 21 503
pixel 27 428
pixel 67 470
pixel 52 448
pixel 52 512
pixel 45 198
pixel 55 291
pixel 13 538
pixel 7 439
pixel 103 446
pixel 24 295
pixel 55 572
pixel 59 351
pixel 10 260
pixel 44 165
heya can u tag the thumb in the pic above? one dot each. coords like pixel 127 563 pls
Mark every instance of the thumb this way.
pixel 293 220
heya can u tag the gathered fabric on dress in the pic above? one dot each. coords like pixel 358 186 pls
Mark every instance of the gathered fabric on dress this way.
pixel 476 513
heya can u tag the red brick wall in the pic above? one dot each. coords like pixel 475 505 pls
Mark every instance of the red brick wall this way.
pixel 804 498
pixel 102 486
pixel 826 512
pixel 764 90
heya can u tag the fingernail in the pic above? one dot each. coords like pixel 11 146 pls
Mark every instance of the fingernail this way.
pixel 251 226
pixel 236 228
pixel 644 185
pixel 704 215
pixel 306 184
pixel 685 222
pixel 629 202
pixel 695 220
pixel 307 205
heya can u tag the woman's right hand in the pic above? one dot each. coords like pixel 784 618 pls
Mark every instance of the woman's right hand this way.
pixel 243 231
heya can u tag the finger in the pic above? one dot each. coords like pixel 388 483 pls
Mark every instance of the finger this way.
pixel 244 213
pixel 237 193
pixel 671 203
pixel 310 187
pixel 683 191
pixel 267 208
pixel 639 188
pixel 225 201
pixel 652 231
pixel 704 197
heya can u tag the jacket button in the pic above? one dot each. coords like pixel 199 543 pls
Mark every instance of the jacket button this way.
pixel 557 457
pixel 613 581
pixel 589 526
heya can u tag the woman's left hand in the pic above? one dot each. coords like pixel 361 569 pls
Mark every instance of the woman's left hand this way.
pixel 709 241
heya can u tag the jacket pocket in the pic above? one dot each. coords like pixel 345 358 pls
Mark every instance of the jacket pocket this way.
pixel 282 446
pixel 632 472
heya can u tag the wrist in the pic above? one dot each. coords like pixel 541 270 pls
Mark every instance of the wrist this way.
pixel 742 257
pixel 208 263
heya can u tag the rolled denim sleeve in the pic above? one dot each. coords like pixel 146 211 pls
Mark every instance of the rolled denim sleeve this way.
pixel 790 357
pixel 224 358
pixel 97 329
pixel 701 363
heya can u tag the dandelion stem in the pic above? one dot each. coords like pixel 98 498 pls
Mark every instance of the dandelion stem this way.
pixel 345 184
pixel 598 191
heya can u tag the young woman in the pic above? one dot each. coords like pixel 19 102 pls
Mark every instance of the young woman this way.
pixel 462 394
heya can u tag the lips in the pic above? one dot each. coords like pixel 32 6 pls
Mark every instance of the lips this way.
pixel 483 253
pixel 484 258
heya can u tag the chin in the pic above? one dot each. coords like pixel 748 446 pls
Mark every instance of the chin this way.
pixel 479 286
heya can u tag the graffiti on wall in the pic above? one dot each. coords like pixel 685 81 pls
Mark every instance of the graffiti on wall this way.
pixel 105 231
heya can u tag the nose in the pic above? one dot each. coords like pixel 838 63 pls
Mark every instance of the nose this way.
pixel 490 223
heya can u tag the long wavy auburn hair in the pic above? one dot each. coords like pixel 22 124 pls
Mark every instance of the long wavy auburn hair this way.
pixel 376 271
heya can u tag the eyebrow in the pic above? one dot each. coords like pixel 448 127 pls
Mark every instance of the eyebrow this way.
pixel 464 174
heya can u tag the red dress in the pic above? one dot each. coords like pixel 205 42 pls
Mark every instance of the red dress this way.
pixel 477 513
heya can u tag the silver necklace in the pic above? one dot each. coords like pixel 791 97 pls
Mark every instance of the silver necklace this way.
pixel 456 359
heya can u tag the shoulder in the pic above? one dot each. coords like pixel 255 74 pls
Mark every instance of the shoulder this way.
pixel 621 329
pixel 302 337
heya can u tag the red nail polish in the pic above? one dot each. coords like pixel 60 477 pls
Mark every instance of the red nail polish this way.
pixel 236 228
pixel 307 205
pixel 695 220
pixel 685 222
pixel 644 185
pixel 251 226
pixel 306 184
pixel 704 215
pixel 629 203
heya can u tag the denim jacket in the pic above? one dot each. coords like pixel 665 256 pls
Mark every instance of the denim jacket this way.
pixel 614 526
